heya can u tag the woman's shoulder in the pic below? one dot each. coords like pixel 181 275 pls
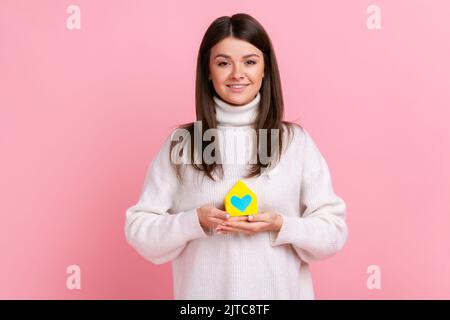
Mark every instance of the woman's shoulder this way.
pixel 176 136
pixel 302 143
pixel 294 133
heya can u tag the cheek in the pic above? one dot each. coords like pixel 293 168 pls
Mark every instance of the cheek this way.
pixel 218 74
pixel 257 74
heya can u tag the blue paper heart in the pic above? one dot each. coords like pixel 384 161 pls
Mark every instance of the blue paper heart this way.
pixel 241 203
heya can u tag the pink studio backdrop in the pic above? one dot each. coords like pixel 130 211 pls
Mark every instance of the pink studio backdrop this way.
pixel 82 113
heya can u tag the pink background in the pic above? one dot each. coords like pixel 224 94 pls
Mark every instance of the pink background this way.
pixel 84 111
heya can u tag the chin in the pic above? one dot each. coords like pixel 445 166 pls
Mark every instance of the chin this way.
pixel 237 100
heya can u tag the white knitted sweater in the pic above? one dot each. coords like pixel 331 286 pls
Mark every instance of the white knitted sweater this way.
pixel 163 225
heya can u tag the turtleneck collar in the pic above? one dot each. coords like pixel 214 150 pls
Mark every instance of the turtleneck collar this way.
pixel 228 115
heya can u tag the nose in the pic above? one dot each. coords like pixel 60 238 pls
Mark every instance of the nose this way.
pixel 237 72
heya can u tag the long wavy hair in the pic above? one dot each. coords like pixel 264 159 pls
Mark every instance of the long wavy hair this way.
pixel 271 110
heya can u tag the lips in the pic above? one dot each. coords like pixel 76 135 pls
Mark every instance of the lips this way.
pixel 238 84
pixel 237 88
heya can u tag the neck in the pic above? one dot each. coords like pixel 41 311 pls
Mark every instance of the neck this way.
pixel 228 115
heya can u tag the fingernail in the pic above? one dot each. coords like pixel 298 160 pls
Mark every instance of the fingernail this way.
pixel 227 216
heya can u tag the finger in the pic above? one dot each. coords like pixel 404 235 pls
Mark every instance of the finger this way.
pixel 233 230
pixel 220 214
pixel 245 225
pixel 217 221
pixel 263 217
pixel 240 218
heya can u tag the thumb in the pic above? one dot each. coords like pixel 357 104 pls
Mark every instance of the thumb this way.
pixel 260 216
pixel 254 217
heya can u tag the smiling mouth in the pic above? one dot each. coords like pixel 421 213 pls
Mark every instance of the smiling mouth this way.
pixel 237 86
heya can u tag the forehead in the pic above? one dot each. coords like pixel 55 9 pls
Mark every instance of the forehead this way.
pixel 234 48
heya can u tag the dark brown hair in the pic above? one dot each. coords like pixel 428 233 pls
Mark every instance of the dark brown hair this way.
pixel 271 110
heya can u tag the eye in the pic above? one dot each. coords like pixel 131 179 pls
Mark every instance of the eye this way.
pixel 251 62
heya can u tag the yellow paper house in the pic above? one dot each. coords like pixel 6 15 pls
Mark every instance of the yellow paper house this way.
pixel 241 201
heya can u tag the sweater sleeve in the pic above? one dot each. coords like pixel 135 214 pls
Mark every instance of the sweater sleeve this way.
pixel 151 227
pixel 321 230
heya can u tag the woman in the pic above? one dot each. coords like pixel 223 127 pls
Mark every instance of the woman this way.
pixel 180 215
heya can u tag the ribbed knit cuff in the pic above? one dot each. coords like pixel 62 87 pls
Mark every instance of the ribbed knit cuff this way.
pixel 292 228
pixel 192 225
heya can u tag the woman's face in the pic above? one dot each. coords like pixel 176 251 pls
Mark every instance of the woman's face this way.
pixel 234 61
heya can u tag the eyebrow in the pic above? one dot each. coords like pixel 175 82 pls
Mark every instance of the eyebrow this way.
pixel 227 56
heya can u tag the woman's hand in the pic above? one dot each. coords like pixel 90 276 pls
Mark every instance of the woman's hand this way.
pixel 210 216
pixel 264 221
